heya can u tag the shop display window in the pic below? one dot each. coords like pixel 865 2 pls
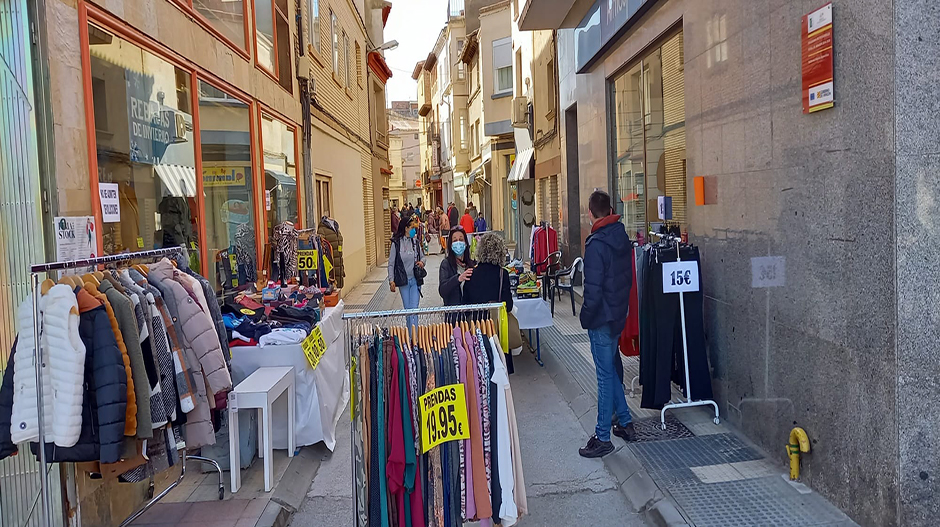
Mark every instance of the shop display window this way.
pixel 280 173
pixel 225 135
pixel 648 138
pixel 145 151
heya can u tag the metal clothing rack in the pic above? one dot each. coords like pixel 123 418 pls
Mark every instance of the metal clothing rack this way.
pixel 35 271
pixel 426 315
pixel 689 402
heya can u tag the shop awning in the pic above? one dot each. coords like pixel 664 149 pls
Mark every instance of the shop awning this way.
pixel 179 180
pixel 520 168
pixel 281 178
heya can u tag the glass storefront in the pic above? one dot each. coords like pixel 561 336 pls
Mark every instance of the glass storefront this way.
pixel 647 105
pixel 225 134
pixel 146 160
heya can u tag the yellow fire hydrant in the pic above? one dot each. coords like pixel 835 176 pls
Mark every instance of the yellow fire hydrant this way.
pixel 799 442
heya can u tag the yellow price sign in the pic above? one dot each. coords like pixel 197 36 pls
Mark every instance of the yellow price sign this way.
pixel 307 260
pixel 443 416
pixel 314 347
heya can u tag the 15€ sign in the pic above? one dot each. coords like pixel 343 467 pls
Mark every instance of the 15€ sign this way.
pixel 443 416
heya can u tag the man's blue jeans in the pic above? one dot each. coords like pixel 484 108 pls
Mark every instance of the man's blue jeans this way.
pixel 610 397
pixel 410 297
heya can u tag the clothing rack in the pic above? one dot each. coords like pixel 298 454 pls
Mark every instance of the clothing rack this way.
pixel 689 402
pixel 35 271
pixel 350 319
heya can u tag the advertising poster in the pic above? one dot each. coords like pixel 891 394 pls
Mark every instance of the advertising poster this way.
pixel 75 239
pixel 818 91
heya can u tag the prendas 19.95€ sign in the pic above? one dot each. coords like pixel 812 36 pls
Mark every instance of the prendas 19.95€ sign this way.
pixel 816 41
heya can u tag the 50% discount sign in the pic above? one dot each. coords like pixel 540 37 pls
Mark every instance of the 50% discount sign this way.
pixel 443 416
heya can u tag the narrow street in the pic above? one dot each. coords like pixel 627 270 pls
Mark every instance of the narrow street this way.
pixel 562 487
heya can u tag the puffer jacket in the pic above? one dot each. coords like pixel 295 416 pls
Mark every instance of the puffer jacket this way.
pixel 25 415
pixel 130 421
pixel 65 377
pixel 104 404
pixel 198 330
pixel 7 447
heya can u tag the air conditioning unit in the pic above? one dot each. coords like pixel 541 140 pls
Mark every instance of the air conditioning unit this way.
pixel 520 109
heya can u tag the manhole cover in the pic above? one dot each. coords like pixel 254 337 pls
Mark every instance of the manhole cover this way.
pixel 650 429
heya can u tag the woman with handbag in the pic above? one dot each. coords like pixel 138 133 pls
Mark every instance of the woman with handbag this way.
pixel 406 261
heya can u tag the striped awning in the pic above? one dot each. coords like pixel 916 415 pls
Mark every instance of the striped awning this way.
pixel 520 168
pixel 179 180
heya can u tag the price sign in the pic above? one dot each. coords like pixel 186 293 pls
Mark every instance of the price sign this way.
pixel 314 347
pixel 768 271
pixel 680 277
pixel 443 416
pixel 307 260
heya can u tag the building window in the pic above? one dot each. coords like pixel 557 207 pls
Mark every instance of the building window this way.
pixel 502 65
pixel 346 62
pixel 550 83
pixel 378 104
pixel 228 187
pixel 313 19
pixel 280 173
pixel 272 40
pixel 324 196
pixel 717 40
pixel 472 142
pixel 647 112
pixel 461 67
pixel 145 147
pixel 358 64
pixel 334 38
pixel 464 137
pixel 228 18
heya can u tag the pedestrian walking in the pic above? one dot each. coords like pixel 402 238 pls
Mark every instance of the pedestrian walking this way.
pixel 456 269
pixel 473 211
pixel 608 275
pixel 395 220
pixel 405 258
pixel 453 215
pixel 445 229
pixel 466 221
pixel 479 224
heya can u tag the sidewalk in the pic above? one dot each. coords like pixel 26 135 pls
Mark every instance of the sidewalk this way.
pixel 561 486
pixel 694 473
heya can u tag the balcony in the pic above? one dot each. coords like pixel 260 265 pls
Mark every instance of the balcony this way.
pixel 455 8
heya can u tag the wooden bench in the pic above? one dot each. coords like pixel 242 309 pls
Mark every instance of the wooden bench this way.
pixel 259 391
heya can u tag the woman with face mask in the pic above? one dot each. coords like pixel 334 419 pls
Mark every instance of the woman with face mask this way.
pixel 404 255
pixel 456 269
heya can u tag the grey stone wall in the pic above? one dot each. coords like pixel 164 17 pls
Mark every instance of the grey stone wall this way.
pixel 821 351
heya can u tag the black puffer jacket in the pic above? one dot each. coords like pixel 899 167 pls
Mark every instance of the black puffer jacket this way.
pixel 7 448
pixel 105 400
pixel 608 275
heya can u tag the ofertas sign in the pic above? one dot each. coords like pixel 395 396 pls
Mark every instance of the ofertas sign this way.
pixel 680 277
pixel 818 92
pixel 443 416
pixel 110 202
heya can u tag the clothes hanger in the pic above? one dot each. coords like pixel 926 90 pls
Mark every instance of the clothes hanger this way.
pixel 45 286
pixel 90 278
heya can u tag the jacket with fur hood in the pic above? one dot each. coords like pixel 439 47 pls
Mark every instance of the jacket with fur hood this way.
pixel 130 421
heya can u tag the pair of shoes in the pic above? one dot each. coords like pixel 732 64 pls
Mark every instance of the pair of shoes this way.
pixel 627 433
pixel 596 448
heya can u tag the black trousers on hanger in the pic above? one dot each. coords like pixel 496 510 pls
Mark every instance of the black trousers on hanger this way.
pixel 661 350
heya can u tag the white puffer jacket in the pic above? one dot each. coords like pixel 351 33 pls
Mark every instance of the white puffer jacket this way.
pixel 24 420
pixel 63 358
pixel 64 375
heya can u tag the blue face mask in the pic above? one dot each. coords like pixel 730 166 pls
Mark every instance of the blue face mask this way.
pixel 459 247
pixel 412 232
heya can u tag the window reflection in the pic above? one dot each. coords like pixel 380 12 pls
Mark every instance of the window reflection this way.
pixel 144 134
pixel 227 16
pixel 649 159
pixel 264 29
pixel 280 173
pixel 227 182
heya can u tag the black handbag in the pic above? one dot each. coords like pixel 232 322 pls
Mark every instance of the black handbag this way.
pixel 420 272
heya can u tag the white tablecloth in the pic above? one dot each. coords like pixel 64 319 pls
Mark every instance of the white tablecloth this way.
pixel 532 313
pixel 322 394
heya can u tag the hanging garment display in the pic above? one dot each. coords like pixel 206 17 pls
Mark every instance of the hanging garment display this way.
pixel 329 230
pixel 406 480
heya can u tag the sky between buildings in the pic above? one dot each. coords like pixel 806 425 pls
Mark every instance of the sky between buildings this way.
pixel 415 24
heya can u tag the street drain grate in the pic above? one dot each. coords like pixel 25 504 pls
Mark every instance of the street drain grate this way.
pixel 650 429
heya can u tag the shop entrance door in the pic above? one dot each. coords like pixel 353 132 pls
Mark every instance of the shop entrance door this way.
pixel 21 242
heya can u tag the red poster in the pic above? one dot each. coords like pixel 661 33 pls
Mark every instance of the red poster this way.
pixel 818 92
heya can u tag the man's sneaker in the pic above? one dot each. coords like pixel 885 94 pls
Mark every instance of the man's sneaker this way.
pixel 627 433
pixel 596 448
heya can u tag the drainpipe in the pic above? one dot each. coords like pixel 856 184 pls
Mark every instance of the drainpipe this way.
pixel 799 442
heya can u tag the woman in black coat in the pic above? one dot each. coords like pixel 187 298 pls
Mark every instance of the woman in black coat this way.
pixel 490 281
pixel 456 269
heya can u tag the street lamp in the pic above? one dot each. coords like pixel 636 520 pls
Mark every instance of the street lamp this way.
pixel 388 46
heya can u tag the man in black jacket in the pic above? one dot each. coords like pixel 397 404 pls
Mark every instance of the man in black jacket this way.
pixel 608 277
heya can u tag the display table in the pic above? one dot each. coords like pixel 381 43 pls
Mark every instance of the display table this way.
pixel 322 394
pixel 533 313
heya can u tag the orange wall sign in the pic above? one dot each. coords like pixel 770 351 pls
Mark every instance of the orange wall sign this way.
pixel 818 92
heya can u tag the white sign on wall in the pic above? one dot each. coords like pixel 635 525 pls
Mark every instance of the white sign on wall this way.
pixel 768 271
pixel 110 202
pixel 680 277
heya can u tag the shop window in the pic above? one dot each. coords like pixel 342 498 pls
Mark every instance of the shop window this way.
pixel 324 196
pixel 280 173
pixel 145 151
pixel 648 137
pixel 228 187
pixel 502 65
pixel 313 21
pixel 225 16
pixel 272 40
